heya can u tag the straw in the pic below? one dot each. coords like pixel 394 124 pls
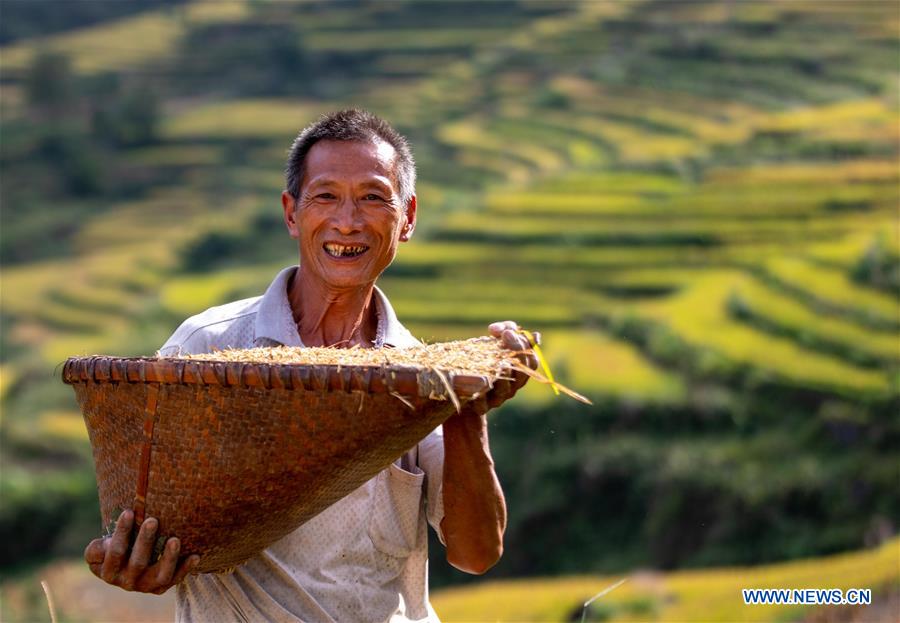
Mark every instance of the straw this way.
pixel 480 356
pixel 50 605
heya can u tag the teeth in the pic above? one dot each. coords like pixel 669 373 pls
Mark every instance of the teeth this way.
pixel 340 250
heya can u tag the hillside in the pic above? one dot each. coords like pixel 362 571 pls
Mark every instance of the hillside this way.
pixel 695 202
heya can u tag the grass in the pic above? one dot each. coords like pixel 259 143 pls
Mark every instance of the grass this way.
pixel 178 155
pixel 481 313
pixel 70 318
pixel 856 113
pixel 78 596
pixel 596 364
pixel 91 296
pixel 625 181
pixel 148 37
pixel 793 316
pixel 191 294
pixel 65 425
pixel 540 260
pixel 576 151
pixel 407 40
pixel 261 118
pixel 830 173
pixel 644 107
pixel 7 379
pixel 56 348
pixel 835 288
pixel 824 199
pixel 472 134
pixel 105 47
pixel 31 283
pixel 87 304
pixel 727 115
pixel 632 143
pixel 498 166
pixel 566 205
pixel 659 228
pixel 571 162
pixel 705 595
pixel 699 315
pixel 845 253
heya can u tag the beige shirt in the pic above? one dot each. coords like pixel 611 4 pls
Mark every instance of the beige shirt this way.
pixel 365 558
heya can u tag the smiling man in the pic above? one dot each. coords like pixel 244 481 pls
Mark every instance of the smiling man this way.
pixel 349 202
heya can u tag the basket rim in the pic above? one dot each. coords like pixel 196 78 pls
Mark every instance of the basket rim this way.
pixel 375 379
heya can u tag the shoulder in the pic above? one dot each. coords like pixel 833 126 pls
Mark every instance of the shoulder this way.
pixel 402 338
pixel 223 326
pixel 393 333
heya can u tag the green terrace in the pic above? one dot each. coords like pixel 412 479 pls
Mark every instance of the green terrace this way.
pixel 694 202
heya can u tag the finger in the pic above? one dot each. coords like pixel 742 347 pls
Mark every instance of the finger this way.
pixel 513 340
pixel 497 328
pixel 168 562
pixel 184 568
pixel 117 547
pixel 479 405
pixel 94 552
pixel 519 343
pixel 520 378
pixel 530 360
pixel 502 392
pixel 140 554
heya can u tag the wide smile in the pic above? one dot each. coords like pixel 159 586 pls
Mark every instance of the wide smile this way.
pixel 344 251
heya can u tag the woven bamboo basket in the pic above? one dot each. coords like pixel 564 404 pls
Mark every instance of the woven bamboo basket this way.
pixel 231 456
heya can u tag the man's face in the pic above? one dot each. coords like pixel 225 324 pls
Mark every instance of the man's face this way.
pixel 349 218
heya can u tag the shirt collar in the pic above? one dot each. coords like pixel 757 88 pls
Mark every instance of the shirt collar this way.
pixel 390 332
pixel 275 320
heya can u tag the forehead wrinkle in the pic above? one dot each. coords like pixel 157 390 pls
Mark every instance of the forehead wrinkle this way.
pixel 385 159
pixel 379 181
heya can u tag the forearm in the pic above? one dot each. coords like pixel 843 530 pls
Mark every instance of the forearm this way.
pixel 474 508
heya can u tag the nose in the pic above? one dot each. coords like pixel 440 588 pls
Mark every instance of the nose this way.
pixel 345 218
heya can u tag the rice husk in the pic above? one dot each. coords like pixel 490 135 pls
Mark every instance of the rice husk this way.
pixel 477 356
pixel 480 356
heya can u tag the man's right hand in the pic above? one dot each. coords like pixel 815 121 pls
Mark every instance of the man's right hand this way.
pixel 113 561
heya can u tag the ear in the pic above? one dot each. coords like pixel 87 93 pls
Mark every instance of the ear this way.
pixel 406 231
pixel 289 205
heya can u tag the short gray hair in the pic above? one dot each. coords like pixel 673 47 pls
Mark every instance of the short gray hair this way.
pixel 351 125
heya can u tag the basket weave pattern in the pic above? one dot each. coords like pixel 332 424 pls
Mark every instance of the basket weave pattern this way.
pixel 230 456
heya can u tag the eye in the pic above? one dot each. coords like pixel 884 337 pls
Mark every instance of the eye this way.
pixel 326 196
pixel 373 197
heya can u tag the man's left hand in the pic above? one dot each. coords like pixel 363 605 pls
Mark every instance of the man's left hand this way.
pixel 503 389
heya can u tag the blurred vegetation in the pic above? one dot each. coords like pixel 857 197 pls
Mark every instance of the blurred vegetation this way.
pixel 694 201
pixel 702 595
pixel 23 19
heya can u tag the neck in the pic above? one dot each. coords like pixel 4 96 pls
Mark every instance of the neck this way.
pixel 328 316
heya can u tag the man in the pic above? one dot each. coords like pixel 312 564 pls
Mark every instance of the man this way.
pixel 349 202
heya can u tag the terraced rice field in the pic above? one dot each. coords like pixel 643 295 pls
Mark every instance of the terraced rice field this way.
pixel 610 179
pixel 130 42
pixel 650 184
